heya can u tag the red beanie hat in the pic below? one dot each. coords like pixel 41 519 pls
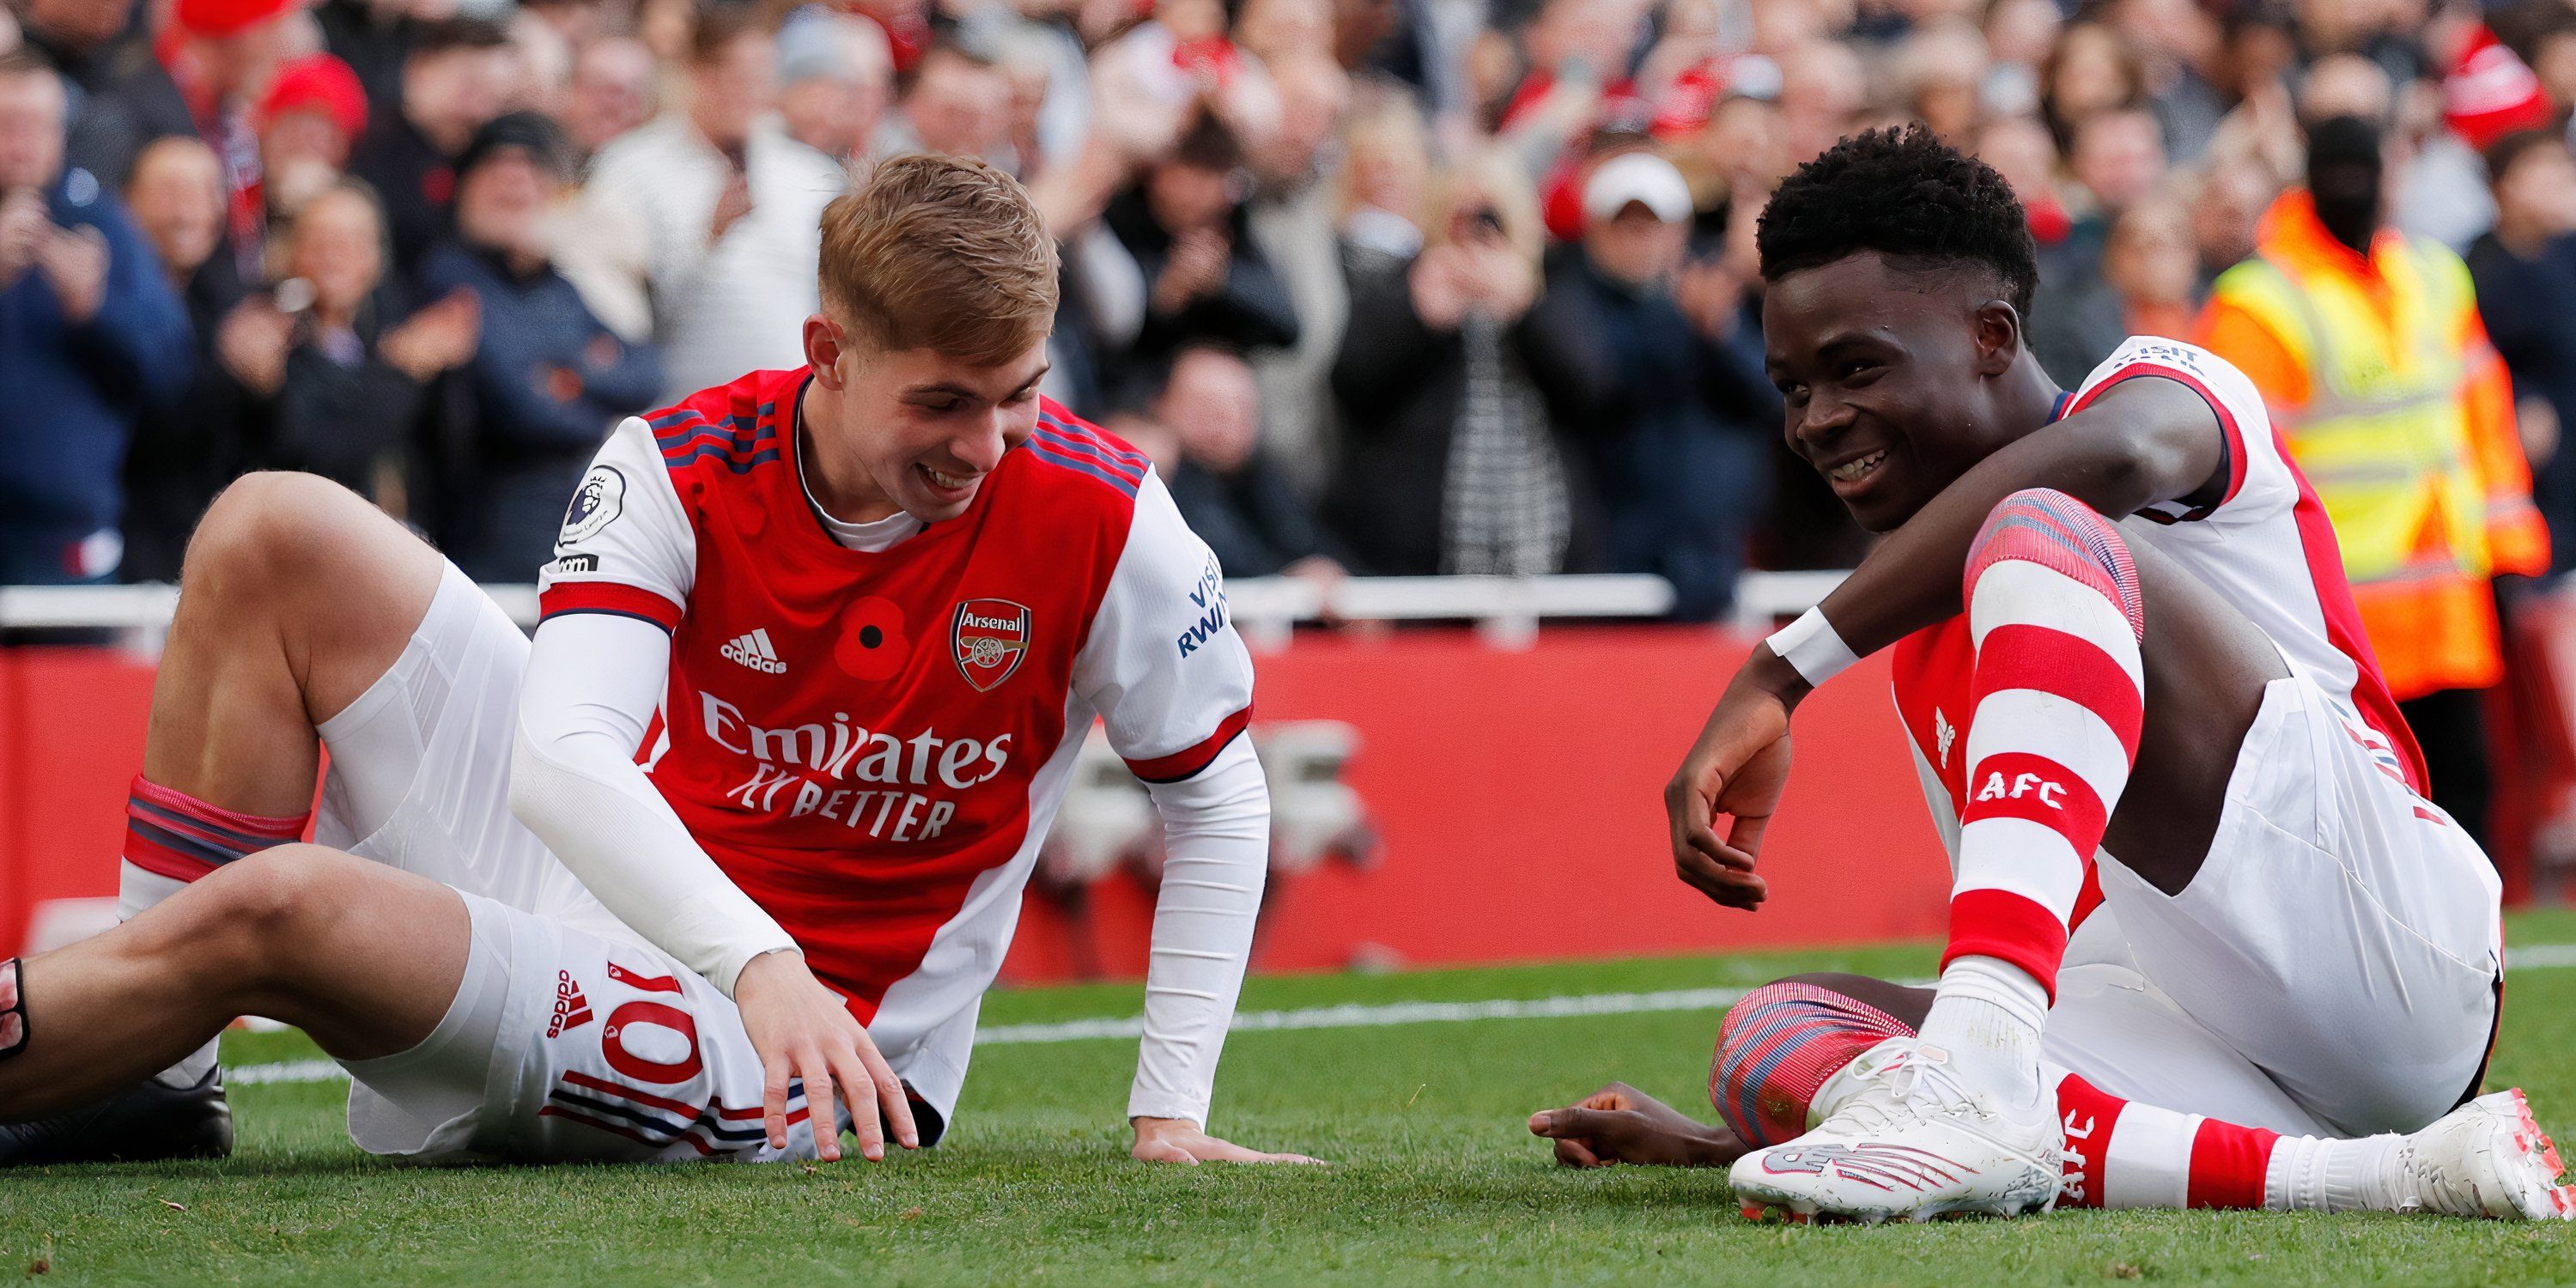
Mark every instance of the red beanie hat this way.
pixel 316 83
pixel 216 19
pixel 2490 93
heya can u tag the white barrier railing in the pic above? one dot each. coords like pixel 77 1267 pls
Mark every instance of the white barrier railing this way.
pixel 1507 610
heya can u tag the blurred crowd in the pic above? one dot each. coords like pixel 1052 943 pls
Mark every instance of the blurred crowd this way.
pixel 1384 286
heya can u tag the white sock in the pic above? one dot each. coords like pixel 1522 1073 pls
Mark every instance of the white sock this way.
pixel 136 891
pixel 1987 1015
pixel 2317 1174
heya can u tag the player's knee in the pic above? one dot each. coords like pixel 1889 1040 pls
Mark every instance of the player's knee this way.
pixel 2050 529
pixel 1778 1045
pixel 263 532
pixel 253 911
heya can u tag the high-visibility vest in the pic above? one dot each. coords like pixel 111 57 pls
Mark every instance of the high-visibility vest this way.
pixel 2384 438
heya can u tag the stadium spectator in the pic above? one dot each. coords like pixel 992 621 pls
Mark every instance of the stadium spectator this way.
pixel 334 390
pixel 372 37
pixel 186 450
pixel 2077 318
pixel 1822 86
pixel 221 57
pixel 311 117
pixel 2152 269
pixel 611 93
pixel 1678 416
pixel 455 77
pixel 1184 227
pixel 1155 80
pixel 2543 36
pixel 123 97
pixel 1454 405
pixel 2178 42
pixel 90 335
pixel 1228 488
pixel 959 102
pixel 730 209
pixel 549 381
pixel 2525 270
pixel 1386 171
pixel 1291 218
pixel 2093 69
pixel 2368 349
pixel 833 76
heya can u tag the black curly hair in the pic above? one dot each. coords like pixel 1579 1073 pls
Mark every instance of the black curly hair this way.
pixel 1904 193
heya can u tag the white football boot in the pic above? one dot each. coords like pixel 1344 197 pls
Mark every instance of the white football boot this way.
pixel 1908 1140
pixel 2485 1158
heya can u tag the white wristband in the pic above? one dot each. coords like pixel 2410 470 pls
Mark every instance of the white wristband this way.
pixel 1812 648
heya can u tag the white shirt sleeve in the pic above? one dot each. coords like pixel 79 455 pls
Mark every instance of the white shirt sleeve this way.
pixel 626 546
pixel 2260 481
pixel 1216 845
pixel 593 683
pixel 1173 685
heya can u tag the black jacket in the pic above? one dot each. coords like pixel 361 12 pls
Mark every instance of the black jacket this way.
pixel 2526 307
pixel 1251 312
pixel 1681 428
pixel 1252 521
pixel 1400 387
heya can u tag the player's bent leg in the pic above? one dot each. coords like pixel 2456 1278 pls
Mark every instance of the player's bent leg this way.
pixel 295 596
pixel 1783 1042
pixel 363 958
pixel 1962 1121
pixel 1793 1052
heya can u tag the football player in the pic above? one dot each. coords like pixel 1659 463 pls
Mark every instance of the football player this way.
pixel 727 855
pixel 2209 943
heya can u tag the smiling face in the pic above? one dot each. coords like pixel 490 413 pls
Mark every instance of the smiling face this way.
pixel 1888 373
pixel 913 430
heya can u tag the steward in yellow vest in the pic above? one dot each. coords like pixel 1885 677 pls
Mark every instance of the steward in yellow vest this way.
pixel 2379 377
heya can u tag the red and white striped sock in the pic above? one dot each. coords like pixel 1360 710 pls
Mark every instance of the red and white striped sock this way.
pixel 2122 1154
pixel 173 838
pixel 2056 703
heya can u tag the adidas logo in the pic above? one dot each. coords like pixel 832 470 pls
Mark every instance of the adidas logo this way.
pixel 753 651
pixel 572 1010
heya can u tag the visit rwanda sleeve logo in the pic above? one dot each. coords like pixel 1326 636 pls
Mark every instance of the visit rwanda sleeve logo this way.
pixel 989 638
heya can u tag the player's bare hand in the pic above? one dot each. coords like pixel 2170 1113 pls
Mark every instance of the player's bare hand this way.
pixel 1736 770
pixel 803 1030
pixel 1178 1140
pixel 1620 1124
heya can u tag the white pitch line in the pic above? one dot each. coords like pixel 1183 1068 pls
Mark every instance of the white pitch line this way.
pixel 1349 1015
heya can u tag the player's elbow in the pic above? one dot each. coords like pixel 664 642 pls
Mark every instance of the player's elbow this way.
pixel 537 775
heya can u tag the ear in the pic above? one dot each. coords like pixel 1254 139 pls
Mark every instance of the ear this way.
pixel 1996 330
pixel 824 349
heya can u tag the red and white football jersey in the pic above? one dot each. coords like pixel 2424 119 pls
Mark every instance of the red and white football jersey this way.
pixel 2265 545
pixel 872 744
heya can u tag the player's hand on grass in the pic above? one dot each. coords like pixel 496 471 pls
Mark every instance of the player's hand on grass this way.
pixel 1737 769
pixel 1620 1124
pixel 1178 1140
pixel 802 1029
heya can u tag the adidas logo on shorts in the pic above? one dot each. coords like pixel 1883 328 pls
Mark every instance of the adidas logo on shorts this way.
pixel 753 651
pixel 572 1010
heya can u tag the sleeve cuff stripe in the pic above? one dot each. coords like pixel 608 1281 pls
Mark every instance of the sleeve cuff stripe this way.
pixel 552 614
pixel 1190 760
pixel 608 597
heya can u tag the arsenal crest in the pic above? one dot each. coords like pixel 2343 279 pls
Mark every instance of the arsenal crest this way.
pixel 988 638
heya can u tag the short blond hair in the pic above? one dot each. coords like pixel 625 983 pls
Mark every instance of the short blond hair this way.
pixel 944 253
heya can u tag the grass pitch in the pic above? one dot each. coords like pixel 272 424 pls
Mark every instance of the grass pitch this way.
pixel 1434 1177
